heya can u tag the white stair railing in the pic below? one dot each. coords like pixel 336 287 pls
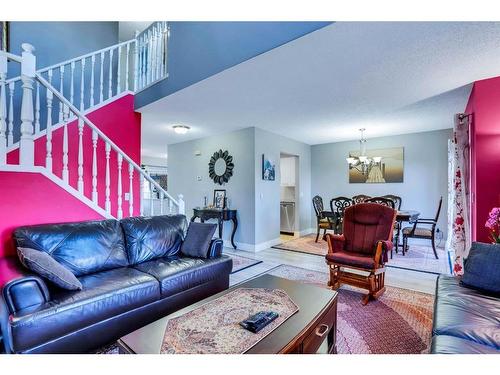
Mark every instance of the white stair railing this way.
pixel 33 81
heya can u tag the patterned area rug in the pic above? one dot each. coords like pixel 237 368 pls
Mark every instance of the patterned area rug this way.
pixel 419 258
pixel 241 263
pixel 399 322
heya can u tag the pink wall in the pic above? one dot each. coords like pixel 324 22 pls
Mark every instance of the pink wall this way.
pixel 122 125
pixel 31 198
pixel 485 161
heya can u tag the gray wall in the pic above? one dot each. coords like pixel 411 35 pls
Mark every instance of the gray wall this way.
pixel 184 167
pixel 425 171
pixel 267 193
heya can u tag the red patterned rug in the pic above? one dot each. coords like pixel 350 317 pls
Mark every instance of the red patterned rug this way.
pixel 399 322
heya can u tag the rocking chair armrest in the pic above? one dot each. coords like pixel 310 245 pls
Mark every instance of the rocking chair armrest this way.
pixel 335 242
pixel 383 248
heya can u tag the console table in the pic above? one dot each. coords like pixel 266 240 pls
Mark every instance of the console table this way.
pixel 220 215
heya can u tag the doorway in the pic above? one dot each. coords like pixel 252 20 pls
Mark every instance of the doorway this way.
pixel 289 196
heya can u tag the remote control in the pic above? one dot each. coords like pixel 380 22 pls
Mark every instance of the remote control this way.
pixel 258 321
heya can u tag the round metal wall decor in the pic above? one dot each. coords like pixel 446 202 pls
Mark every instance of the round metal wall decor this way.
pixel 220 167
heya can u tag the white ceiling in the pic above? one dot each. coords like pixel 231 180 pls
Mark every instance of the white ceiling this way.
pixel 391 78
pixel 127 29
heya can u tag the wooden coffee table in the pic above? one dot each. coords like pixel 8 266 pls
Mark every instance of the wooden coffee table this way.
pixel 303 332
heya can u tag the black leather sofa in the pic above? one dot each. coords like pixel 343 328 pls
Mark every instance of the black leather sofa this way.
pixel 127 283
pixel 466 321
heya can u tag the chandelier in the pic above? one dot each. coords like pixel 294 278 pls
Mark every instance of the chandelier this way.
pixel 363 163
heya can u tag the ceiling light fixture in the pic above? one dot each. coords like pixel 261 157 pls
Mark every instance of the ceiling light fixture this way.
pixel 181 129
pixel 363 163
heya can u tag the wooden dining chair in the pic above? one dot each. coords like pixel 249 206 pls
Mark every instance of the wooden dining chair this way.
pixel 324 220
pixel 381 200
pixel 338 206
pixel 360 198
pixel 396 199
pixel 423 228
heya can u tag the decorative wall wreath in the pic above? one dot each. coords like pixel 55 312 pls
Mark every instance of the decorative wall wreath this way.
pixel 220 167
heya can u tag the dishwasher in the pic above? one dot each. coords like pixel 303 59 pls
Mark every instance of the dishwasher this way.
pixel 287 217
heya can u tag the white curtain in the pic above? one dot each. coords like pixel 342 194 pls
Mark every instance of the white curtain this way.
pixel 459 238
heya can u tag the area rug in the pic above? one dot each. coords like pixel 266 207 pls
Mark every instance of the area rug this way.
pixel 399 322
pixel 214 327
pixel 240 263
pixel 418 258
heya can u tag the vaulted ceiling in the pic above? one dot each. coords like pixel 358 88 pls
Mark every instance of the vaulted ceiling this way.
pixel 390 78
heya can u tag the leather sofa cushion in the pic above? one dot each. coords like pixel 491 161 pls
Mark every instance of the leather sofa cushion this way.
pixel 466 313
pixel 104 295
pixel 178 273
pixel 351 259
pixel 148 238
pixel 454 345
pixel 83 247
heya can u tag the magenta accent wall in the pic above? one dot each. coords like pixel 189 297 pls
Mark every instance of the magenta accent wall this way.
pixel 484 105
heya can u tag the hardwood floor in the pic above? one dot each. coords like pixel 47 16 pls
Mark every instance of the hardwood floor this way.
pixel 271 258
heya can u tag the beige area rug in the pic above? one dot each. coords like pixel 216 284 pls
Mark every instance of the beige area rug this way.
pixel 418 258
pixel 399 322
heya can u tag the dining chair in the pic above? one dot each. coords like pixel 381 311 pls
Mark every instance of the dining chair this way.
pixel 397 225
pixel 396 199
pixel 324 219
pixel 338 206
pixel 360 198
pixel 381 200
pixel 428 231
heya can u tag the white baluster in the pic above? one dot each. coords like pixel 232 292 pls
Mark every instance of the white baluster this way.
pixel 92 80
pixel 10 130
pixel 162 197
pixel 150 57
pixel 37 108
pixel 108 179
pixel 151 209
pixel 72 85
pixel 110 86
pixel 26 144
pixel 170 206
pixel 131 190
pixel 65 170
pixel 153 54
pixel 48 147
pixel 118 74
pixel 136 63
pixel 159 52
pixel 144 61
pixel 165 57
pixel 82 84
pixel 126 67
pixel 101 84
pixel 182 205
pixel 80 155
pixel 61 90
pixel 120 200
pixel 94 167
pixel 3 110
pixel 143 180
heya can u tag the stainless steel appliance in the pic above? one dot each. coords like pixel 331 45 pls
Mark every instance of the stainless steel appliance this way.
pixel 287 217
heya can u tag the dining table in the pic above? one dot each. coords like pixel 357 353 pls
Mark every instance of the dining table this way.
pixel 402 216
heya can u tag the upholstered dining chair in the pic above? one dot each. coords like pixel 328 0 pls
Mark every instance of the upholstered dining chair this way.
pixel 363 246
pixel 324 220
pixel 360 198
pixel 338 206
pixel 423 228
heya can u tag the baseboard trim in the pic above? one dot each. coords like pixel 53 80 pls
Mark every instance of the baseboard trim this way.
pixel 254 248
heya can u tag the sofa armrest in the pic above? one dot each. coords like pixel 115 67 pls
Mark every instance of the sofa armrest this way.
pixel 335 242
pixel 215 248
pixel 25 292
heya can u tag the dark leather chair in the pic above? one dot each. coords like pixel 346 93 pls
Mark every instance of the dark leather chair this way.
pixel 423 228
pixel 360 198
pixel 132 274
pixel 363 246
pixel 338 206
pixel 324 219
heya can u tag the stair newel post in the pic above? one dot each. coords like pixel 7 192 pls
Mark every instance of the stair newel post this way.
pixel 61 90
pixel 182 205
pixel 120 187
pixel 108 180
pixel 136 62
pixel 110 76
pixel 92 62
pixel 94 167
pixel 80 155
pixel 126 67
pixel 101 82
pixel 162 197
pixel 48 145
pixel 131 190
pixel 3 110
pixel 118 74
pixel 27 144
pixel 82 84
pixel 65 170
pixel 37 108
pixel 10 129
pixel 72 84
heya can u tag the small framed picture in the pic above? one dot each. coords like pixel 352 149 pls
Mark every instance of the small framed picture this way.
pixel 268 169
pixel 219 198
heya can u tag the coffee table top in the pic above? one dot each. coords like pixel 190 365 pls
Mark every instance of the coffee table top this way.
pixel 312 301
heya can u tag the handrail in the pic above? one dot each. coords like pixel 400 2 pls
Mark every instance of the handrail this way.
pixel 81 116
pixel 11 56
pixel 67 62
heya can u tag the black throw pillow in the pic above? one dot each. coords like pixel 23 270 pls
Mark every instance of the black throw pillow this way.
pixel 198 238
pixel 44 265
pixel 482 267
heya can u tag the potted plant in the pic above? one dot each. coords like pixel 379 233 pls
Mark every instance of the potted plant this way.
pixel 493 224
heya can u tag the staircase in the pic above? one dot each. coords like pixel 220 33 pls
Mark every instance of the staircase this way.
pixel 45 126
